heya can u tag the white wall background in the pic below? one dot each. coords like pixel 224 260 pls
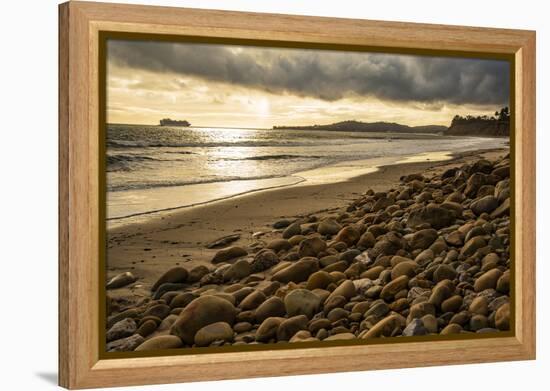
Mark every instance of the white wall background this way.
pixel 28 192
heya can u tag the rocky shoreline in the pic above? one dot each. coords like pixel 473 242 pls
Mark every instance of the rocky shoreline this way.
pixel 430 256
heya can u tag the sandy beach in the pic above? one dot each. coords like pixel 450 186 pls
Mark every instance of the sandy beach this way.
pixel 179 237
pixel 415 248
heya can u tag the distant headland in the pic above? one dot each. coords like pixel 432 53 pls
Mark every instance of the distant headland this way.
pixel 497 125
pixel 173 122
pixel 358 126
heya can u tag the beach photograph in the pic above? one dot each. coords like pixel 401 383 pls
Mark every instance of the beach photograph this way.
pixel 300 196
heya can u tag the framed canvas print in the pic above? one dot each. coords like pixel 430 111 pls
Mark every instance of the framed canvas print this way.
pixel 247 195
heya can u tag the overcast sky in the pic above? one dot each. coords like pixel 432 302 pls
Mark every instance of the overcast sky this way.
pixel 225 85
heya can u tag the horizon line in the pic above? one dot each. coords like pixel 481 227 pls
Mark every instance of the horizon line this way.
pixel 276 126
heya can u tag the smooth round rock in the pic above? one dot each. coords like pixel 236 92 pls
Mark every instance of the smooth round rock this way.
pixel 345 289
pixel 292 230
pixel 229 254
pixel 484 205
pixel 302 336
pixel 319 280
pixel 405 268
pixel 460 318
pixel 430 323
pixel 147 328
pixel 418 310
pixel 329 227
pixel 174 275
pixel 167 322
pixel 478 322
pixel 349 235
pixel 393 287
pixel 268 329
pixel 182 299
pixel 377 309
pixel 122 329
pixel 444 272
pixel 334 302
pixel 129 313
pixel 336 314
pixel 318 324
pixel 263 260
pixel 310 247
pixel 237 271
pixel 452 328
pixel 279 244
pixel 480 306
pixel 432 214
pixel 291 326
pixel 455 238
pixel 281 224
pixel 219 331
pixel 488 280
pixel 296 240
pixel 197 273
pixel 160 342
pixel 373 272
pixel 168 287
pixel 502 317
pixel 302 302
pixel 341 337
pixel 252 301
pixel 503 283
pixel 200 312
pixel 441 291
pixel 452 304
pixel 161 311
pixel 396 260
pixel 423 238
pixel 472 246
pixel 272 307
pixel 367 240
pixel 121 280
pixel 297 272
pixel 241 293
pixel 242 327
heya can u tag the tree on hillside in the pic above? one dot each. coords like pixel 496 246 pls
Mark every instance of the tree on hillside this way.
pixel 500 115
pixel 504 114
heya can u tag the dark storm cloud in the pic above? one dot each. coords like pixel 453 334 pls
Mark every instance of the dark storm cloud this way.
pixel 328 75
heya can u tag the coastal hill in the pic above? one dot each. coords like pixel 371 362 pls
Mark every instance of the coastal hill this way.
pixel 358 126
pixel 495 126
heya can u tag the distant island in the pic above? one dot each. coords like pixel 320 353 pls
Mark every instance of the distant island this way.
pixel 483 126
pixel 173 122
pixel 358 126
pixel 495 126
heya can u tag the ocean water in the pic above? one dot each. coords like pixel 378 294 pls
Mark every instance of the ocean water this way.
pixel 151 168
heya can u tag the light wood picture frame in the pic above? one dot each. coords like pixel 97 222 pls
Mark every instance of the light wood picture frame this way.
pixel 82 26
